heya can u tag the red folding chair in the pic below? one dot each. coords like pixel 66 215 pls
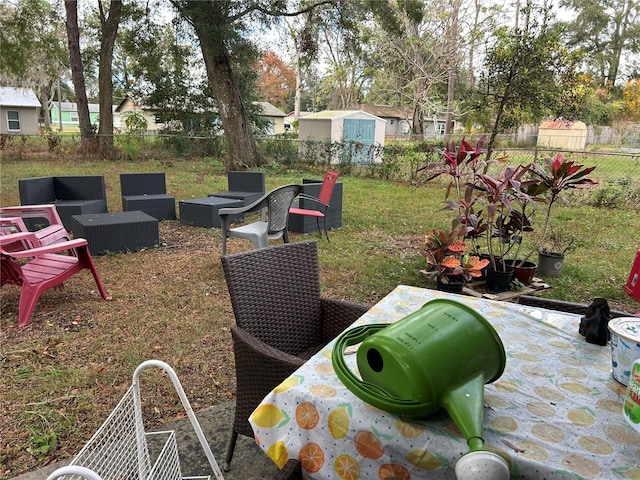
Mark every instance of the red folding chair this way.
pixel 323 201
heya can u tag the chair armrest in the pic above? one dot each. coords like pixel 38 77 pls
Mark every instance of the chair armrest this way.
pixel 19 237
pixel 47 211
pixel 52 248
pixel 337 315
pixel 311 198
pixel 264 354
pixel 255 206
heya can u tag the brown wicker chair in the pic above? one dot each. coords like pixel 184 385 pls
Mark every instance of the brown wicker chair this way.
pixel 281 318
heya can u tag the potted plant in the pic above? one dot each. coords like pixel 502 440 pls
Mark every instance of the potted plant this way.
pixel 552 251
pixel 447 260
pixel 555 176
pixel 509 207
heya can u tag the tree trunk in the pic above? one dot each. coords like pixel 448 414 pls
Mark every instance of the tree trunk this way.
pixel 243 152
pixel 298 96
pixel 43 94
pixel 77 74
pixel 452 67
pixel 105 81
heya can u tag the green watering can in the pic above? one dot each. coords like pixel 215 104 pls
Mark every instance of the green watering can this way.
pixel 437 357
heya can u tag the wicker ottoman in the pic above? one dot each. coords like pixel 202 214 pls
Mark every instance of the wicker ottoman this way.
pixel 116 232
pixel 203 212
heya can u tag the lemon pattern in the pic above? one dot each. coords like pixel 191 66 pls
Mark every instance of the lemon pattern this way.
pixel 555 413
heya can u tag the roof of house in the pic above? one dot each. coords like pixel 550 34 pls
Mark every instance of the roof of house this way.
pixel 563 125
pixel 333 114
pixel 73 107
pixel 18 97
pixel 269 110
pixel 385 111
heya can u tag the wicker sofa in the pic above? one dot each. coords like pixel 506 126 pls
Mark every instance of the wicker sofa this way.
pixel 72 195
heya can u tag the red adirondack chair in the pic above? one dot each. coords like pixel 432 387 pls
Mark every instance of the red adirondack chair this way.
pixel 46 267
pixel 48 234
pixel 323 201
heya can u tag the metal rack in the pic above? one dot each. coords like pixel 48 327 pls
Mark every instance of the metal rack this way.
pixel 119 450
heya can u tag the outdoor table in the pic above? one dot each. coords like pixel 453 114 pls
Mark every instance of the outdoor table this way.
pixel 556 411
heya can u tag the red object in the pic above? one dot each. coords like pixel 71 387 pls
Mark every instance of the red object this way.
pixel 323 201
pixel 632 287
pixel 52 233
pixel 48 267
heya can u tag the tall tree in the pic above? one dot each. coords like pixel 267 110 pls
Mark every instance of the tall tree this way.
pixel 346 48
pixel 222 30
pixel 77 73
pixel 40 62
pixel 524 72
pixel 158 65
pixel 109 22
pixel 276 80
pixel 605 31
pixel 412 58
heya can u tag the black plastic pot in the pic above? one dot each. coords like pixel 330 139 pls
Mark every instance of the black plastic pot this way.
pixel 449 287
pixel 498 281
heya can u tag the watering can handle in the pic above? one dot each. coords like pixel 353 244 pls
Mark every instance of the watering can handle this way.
pixel 367 391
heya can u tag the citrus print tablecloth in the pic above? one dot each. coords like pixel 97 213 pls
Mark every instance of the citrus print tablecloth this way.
pixel 555 413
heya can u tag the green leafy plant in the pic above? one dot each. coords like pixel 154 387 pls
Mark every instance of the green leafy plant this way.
pixel 42 445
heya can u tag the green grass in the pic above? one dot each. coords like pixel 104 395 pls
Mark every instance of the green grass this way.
pixel 384 221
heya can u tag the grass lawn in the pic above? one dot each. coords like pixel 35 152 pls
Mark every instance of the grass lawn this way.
pixel 64 373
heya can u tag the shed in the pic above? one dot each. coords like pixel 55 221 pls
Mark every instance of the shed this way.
pixel 562 134
pixel 18 111
pixel 399 119
pixel 360 130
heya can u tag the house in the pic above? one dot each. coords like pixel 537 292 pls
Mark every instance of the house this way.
pixel 291 117
pixel 70 121
pixel 361 130
pixel 399 119
pixel 562 134
pixel 274 116
pixel 129 104
pixel 18 111
pixel 435 125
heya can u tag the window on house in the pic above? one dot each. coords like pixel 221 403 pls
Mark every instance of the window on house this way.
pixel 13 120
pixel 440 128
pixel 73 116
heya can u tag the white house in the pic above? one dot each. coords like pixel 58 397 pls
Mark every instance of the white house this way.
pixel 18 111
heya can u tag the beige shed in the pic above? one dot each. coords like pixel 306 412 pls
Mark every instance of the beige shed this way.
pixel 359 130
pixel 562 134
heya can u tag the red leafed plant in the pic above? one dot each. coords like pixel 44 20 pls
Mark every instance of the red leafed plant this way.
pixel 446 258
pixel 559 174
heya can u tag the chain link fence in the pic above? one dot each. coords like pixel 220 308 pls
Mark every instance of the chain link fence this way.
pixel 397 160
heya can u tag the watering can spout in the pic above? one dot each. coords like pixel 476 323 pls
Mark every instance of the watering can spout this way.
pixel 465 404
